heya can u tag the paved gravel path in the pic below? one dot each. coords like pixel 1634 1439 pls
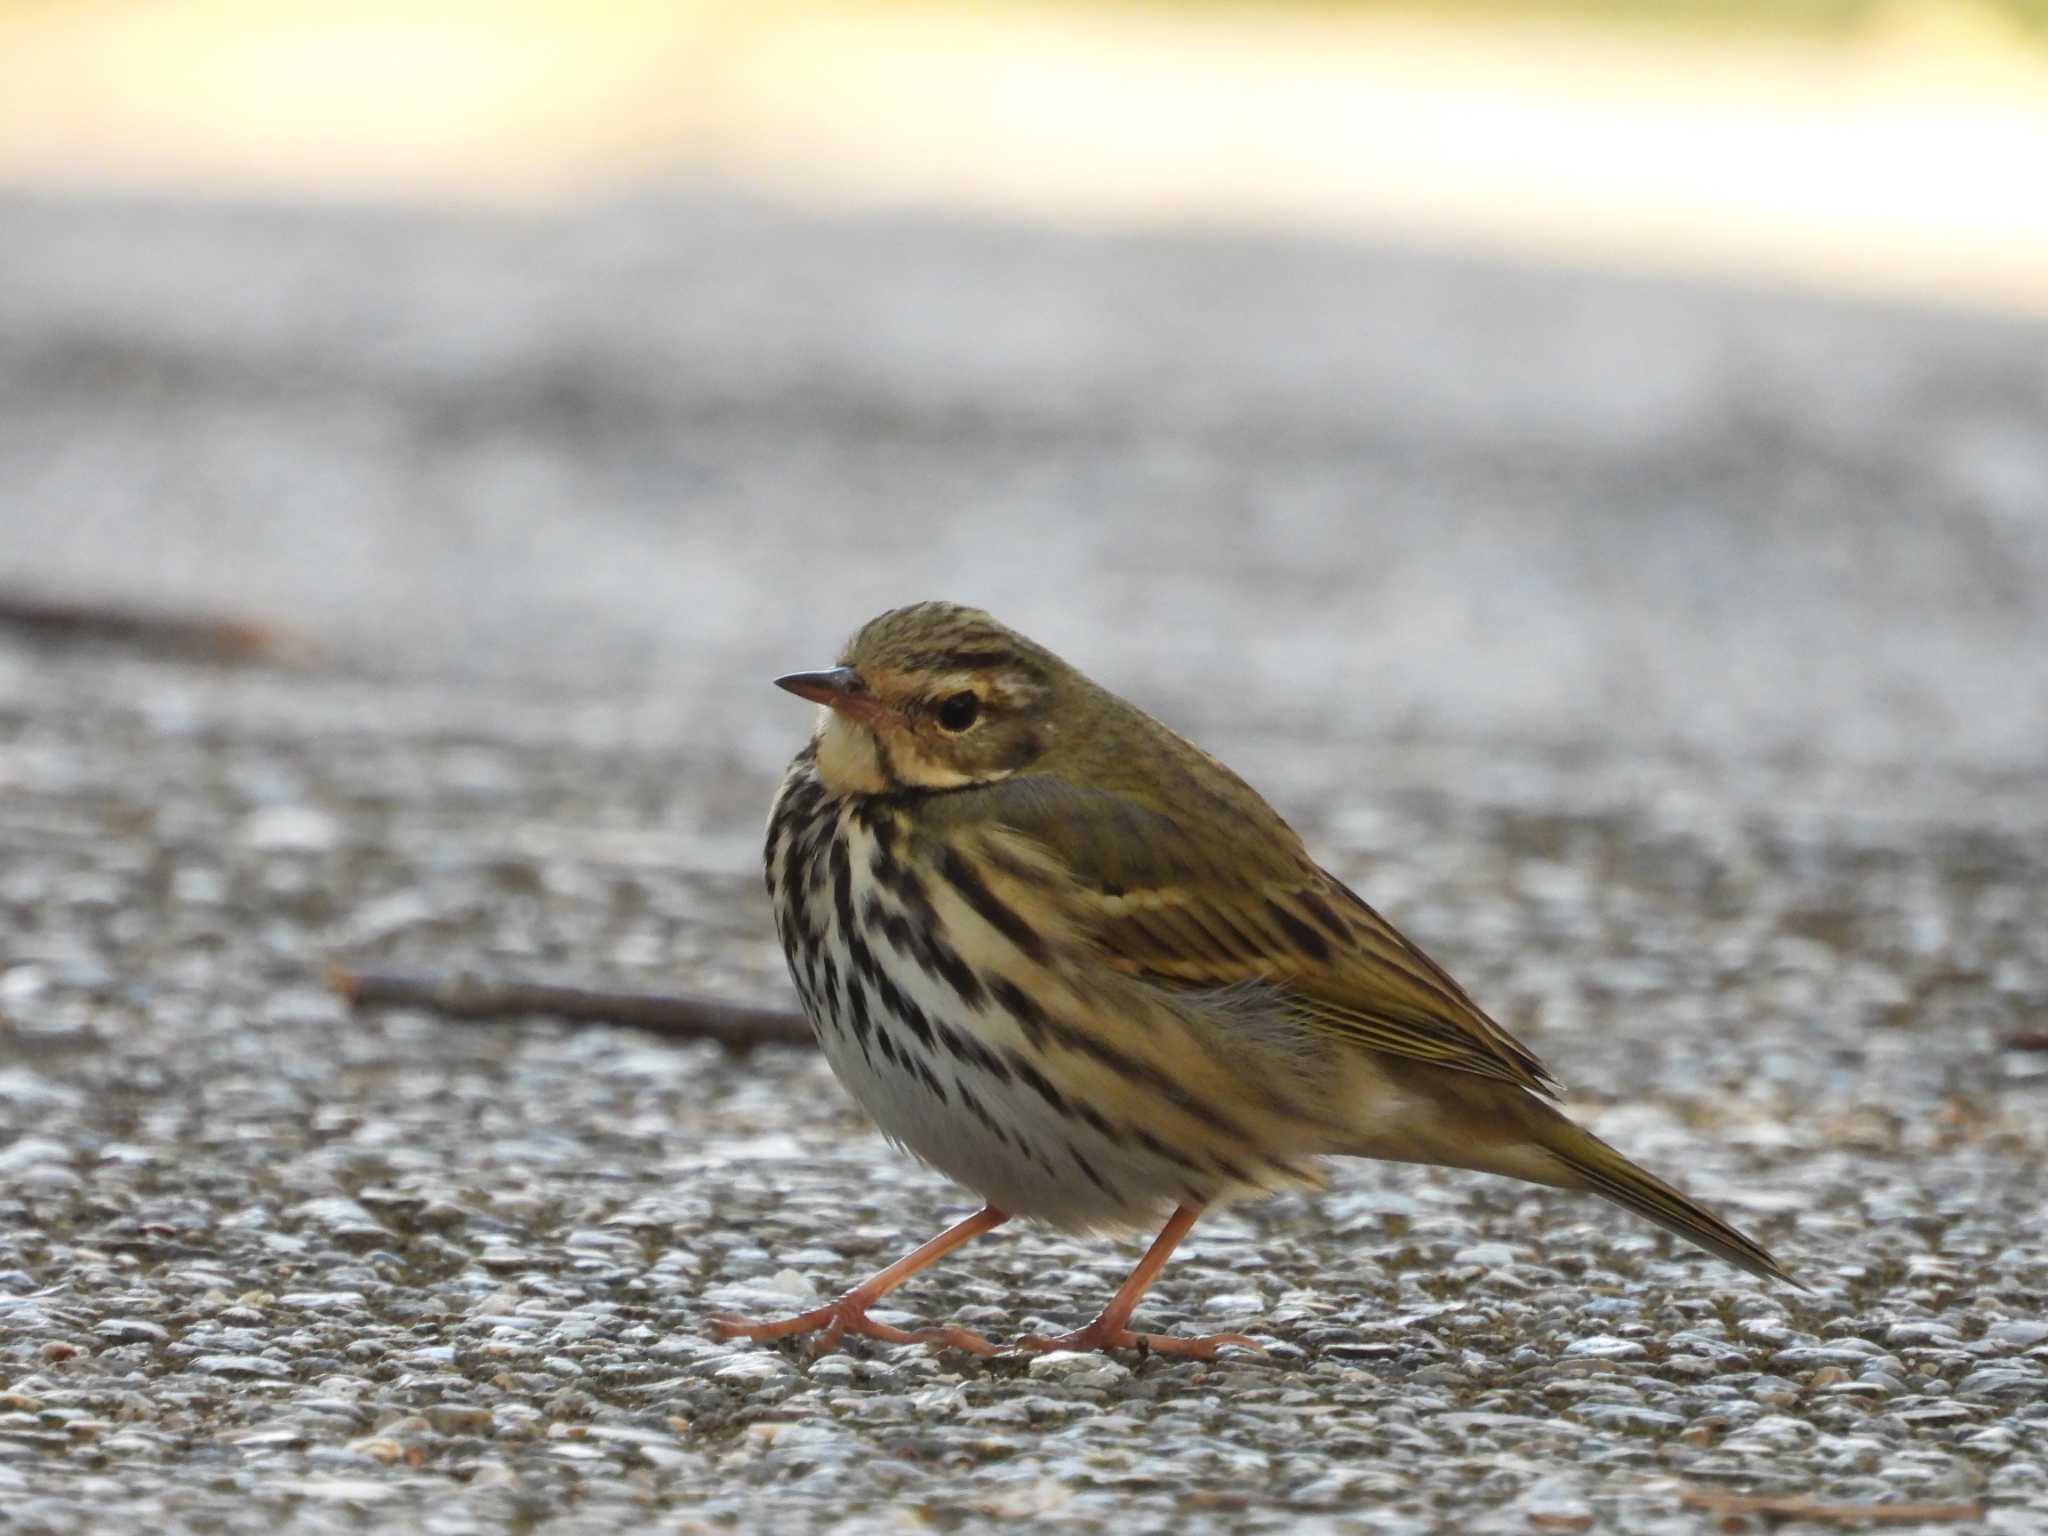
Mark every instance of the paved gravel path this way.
pixel 1673 662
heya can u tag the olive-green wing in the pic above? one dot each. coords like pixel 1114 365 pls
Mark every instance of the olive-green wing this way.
pixel 1242 903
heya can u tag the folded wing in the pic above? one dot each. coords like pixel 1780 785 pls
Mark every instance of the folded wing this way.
pixel 1246 904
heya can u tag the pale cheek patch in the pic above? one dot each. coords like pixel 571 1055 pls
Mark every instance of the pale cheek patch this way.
pixel 848 763
pixel 928 773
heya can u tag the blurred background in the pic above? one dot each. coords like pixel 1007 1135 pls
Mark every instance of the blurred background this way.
pixel 1877 144
pixel 1650 367
pixel 1587 462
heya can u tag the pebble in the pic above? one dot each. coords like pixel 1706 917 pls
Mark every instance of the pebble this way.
pixel 344 1219
pixel 458 1418
pixel 1074 1369
pixel 753 1368
pixel 1602 1346
pixel 241 1365
pixel 290 829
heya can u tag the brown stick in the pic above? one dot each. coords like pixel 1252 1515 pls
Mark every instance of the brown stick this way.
pixel 143 629
pixel 2027 1040
pixel 1773 1506
pixel 673 1016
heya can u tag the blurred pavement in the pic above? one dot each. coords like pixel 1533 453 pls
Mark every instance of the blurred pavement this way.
pixel 1671 660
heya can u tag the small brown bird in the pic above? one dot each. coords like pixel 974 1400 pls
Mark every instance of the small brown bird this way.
pixel 1078 965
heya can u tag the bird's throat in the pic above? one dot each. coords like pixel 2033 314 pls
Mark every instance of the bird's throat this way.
pixel 849 760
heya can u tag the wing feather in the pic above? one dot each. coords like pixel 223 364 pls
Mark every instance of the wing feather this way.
pixel 1210 911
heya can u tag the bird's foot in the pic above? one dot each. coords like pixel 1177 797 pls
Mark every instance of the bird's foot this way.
pixel 1100 1335
pixel 835 1320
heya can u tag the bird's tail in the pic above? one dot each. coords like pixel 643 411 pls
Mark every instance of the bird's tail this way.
pixel 1594 1165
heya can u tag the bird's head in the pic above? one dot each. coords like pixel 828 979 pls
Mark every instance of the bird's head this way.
pixel 933 697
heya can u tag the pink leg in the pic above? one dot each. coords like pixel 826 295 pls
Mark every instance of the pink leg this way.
pixel 849 1314
pixel 1112 1329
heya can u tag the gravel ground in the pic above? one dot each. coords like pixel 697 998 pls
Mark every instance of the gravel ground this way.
pixel 1670 660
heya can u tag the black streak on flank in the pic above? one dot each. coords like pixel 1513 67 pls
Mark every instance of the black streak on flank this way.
pixel 828 973
pixel 1133 1070
pixel 897 1006
pixel 964 1047
pixel 1039 1029
pixel 950 1040
pixel 977 895
pixel 1035 1080
pixel 1097 1122
pixel 929 1079
pixel 857 1009
pixel 863 957
pixel 1016 1002
pixel 1093 1177
pixel 1159 1148
pixel 979 1110
pixel 893 928
pixel 939 956
pixel 920 1026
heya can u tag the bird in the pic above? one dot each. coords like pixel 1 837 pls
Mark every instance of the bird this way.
pixel 1070 960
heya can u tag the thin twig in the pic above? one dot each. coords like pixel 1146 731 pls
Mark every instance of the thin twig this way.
pixel 674 1016
pixel 222 639
pixel 2027 1040
pixel 1777 1506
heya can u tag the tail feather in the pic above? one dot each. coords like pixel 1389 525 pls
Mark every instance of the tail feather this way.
pixel 1428 1114
pixel 1598 1167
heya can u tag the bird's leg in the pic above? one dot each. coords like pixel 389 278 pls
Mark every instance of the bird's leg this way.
pixel 849 1314
pixel 1112 1331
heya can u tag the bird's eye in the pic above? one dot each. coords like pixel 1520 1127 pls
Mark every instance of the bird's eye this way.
pixel 959 711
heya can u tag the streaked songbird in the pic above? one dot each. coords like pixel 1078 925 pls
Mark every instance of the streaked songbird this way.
pixel 1075 963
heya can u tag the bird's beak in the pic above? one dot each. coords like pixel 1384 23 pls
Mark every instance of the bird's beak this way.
pixel 844 690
